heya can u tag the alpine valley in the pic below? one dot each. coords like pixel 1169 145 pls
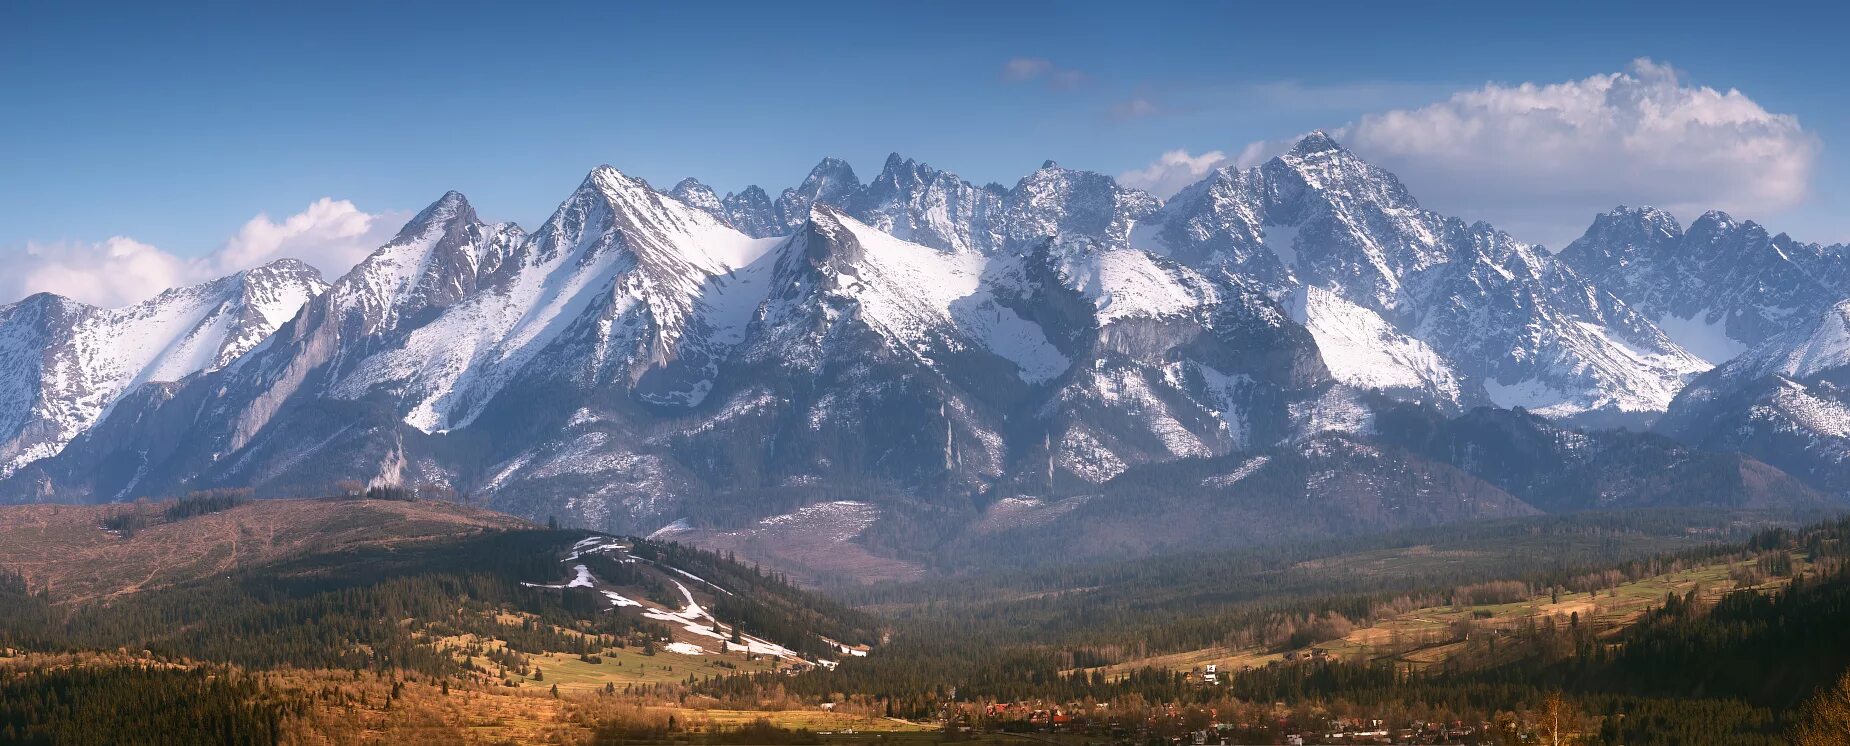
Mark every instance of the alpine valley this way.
pixel 865 379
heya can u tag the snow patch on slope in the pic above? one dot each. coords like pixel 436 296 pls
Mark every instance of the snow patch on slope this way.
pixel 1246 469
pixel 1824 346
pixel 916 294
pixel 1125 283
pixel 1702 337
pixel 1362 349
pixel 1814 414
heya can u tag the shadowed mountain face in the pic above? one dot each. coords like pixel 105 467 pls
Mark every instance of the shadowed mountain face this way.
pixel 916 343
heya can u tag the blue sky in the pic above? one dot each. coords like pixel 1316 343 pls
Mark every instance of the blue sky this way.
pixel 177 127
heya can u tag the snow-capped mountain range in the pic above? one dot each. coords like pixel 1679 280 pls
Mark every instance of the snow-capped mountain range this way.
pixel 64 364
pixel 645 355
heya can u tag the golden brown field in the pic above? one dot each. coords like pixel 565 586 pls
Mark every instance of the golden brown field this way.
pixel 1425 636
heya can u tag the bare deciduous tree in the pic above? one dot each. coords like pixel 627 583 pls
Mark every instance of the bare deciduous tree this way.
pixel 1557 722
pixel 1825 719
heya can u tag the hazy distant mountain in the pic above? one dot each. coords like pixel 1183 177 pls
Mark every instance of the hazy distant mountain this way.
pixel 1717 289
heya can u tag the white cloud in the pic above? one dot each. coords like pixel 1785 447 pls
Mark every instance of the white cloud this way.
pixel 1173 171
pixel 1255 153
pixel 1545 158
pixel 1177 169
pixel 1540 160
pixel 114 272
pixel 330 234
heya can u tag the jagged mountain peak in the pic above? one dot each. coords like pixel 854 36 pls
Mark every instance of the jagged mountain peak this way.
pixel 1822 346
pixel 1404 298
pixel 46 301
pixel 284 267
pixel 1623 235
pixel 451 200
pixel 825 217
pixel 449 213
pixel 1716 223
pixel 1644 213
pixel 905 173
pixel 1335 174
pixel 752 192
pixel 901 170
pixel 1055 201
pixel 916 202
pixel 1316 141
pixel 606 196
pixel 257 285
pixel 274 291
pixel 832 168
pixel 832 181
pixel 825 239
pixel 751 211
pixel 1783 401
pixel 438 258
pixel 699 196
pixel 607 180
pixel 625 212
pixel 1719 287
pixel 1643 221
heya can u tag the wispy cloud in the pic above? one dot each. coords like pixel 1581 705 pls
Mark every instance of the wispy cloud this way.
pixel 1135 107
pixel 1043 71
pixel 1295 95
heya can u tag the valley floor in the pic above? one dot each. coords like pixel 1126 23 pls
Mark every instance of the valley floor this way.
pixel 340 708
pixel 1435 635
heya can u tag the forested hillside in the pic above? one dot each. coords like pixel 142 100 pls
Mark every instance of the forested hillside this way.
pixel 476 606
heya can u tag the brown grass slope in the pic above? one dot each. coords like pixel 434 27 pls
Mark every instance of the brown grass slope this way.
pixel 67 550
